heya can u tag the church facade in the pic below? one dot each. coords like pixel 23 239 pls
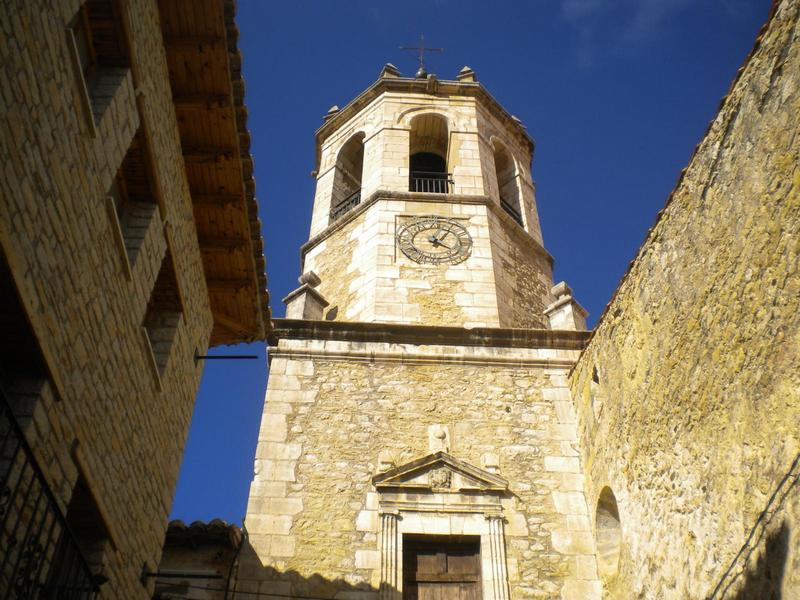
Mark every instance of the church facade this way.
pixel 418 438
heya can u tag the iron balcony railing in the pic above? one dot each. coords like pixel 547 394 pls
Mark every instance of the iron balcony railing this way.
pixel 39 558
pixel 430 182
pixel 345 206
pixel 511 210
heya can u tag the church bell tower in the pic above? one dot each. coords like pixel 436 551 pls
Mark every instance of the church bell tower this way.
pixel 417 435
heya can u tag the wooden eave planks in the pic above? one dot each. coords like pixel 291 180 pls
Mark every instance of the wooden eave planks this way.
pixel 208 92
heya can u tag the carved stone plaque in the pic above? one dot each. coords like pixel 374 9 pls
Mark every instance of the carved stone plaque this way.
pixel 440 478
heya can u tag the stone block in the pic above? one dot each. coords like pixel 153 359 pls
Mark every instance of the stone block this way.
pixel 273 428
pixel 278 470
pixel 581 590
pixel 562 464
pixel 586 567
pixel 368 559
pixel 517 525
pixel 578 523
pixel 557 431
pixel 564 411
pixel 284 506
pixel 268 489
pixel 282 546
pixel 279 451
pixel 269 524
pixel 367 520
pixel 572 542
pixel 570 503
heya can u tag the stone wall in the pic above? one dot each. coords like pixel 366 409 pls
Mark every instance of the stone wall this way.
pixel 86 309
pixel 524 274
pixel 337 412
pixel 693 420
pixel 368 278
pixel 340 263
pixel 505 281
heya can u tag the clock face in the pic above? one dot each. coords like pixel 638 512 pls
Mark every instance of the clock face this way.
pixel 434 240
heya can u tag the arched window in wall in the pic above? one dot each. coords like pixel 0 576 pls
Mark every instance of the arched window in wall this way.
pixel 347 177
pixel 507 181
pixel 608 535
pixel 428 155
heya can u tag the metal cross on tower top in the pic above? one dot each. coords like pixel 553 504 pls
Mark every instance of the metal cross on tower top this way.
pixel 421 72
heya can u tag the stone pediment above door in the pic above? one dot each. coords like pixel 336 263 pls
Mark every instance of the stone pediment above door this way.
pixel 439 472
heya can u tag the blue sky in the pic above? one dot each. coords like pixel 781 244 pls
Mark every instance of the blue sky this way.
pixel 616 93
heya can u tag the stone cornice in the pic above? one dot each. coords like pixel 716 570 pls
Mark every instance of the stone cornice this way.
pixel 395 333
pixel 412 85
pixel 434 355
pixel 378 195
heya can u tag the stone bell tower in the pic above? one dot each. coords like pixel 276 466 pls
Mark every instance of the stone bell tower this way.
pixel 425 210
pixel 418 436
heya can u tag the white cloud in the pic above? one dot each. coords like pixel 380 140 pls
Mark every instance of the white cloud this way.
pixel 617 24
pixel 649 18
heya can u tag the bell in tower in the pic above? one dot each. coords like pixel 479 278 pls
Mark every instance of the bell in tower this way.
pixel 417 427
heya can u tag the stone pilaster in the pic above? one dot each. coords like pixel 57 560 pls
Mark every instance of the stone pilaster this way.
pixel 390 557
pixel 497 558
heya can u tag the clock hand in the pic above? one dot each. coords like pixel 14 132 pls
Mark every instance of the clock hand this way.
pixel 439 243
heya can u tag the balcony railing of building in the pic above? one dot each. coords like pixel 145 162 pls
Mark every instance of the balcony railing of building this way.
pixel 511 210
pixel 430 182
pixel 39 558
pixel 346 205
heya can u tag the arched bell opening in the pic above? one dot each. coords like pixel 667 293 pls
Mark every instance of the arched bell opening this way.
pixel 507 181
pixel 428 155
pixel 346 193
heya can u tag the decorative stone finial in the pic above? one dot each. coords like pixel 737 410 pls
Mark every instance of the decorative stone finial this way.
pixel 491 462
pixel 309 277
pixel 466 74
pixel 386 460
pixel 332 111
pixel 438 438
pixel 389 70
pixel 305 302
pixel 433 84
pixel 565 312
pixel 561 289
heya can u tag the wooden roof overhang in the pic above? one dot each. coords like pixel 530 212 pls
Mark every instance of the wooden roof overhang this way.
pixel 200 37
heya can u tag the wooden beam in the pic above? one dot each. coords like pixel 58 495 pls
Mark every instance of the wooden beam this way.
pixel 216 199
pixel 182 42
pixel 228 285
pixel 208 155
pixel 231 325
pixel 222 244
pixel 202 101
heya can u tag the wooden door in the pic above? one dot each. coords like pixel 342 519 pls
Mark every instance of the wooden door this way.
pixel 441 568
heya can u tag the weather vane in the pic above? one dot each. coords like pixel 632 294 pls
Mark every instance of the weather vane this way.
pixel 421 72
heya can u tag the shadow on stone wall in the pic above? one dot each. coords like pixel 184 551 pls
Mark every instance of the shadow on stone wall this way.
pixel 764 580
pixel 274 584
